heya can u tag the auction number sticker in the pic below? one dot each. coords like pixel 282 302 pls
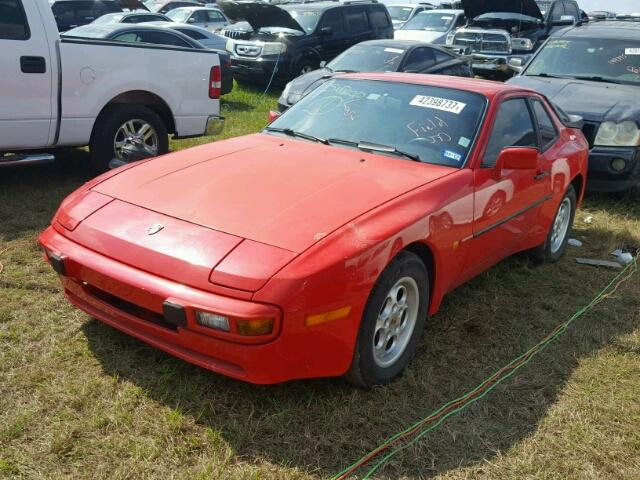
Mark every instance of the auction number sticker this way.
pixel 393 50
pixel 632 51
pixel 438 103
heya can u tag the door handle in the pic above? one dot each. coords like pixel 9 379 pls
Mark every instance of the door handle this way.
pixel 33 65
pixel 540 175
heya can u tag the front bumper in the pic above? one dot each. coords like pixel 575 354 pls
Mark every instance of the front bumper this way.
pixel 133 301
pixel 603 178
pixel 491 63
pixel 260 68
pixel 215 125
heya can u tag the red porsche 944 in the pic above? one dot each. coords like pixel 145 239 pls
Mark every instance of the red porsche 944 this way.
pixel 320 246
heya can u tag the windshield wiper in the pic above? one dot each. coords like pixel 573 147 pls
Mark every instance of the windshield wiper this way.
pixel 546 75
pixel 346 71
pixel 596 78
pixel 374 147
pixel 293 133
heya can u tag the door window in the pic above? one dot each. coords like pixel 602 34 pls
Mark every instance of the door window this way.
pixel 192 33
pixel 198 17
pixel 419 59
pixel 214 17
pixel 164 38
pixel 546 128
pixel 513 128
pixel 558 12
pixel 356 20
pixel 333 19
pixel 571 10
pixel 13 23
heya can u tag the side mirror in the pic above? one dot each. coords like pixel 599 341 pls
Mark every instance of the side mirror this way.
pixel 323 64
pixel 515 64
pixel 273 115
pixel 576 121
pixel 326 31
pixel 191 20
pixel 518 158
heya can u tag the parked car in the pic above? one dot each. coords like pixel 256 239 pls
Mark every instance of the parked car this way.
pixel 74 13
pixel 601 15
pixel 294 39
pixel 208 18
pixel 433 26
pixel 131 17
pixel 498 31
pixel 163 34
pixel 403 12
pixel 378 56
pixel 165 6
pixel 593 70
pixel 120 101
pixel 337 229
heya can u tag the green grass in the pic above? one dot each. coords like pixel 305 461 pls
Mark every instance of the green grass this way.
pixel 81 400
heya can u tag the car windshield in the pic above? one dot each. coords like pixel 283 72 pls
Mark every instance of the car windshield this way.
pixel 153 5
pixel 179 15
pixel 108 18
pixel 308 19
pixel 422 122
pixel 368 58
pixel 87 31
pixel 595 59
pixel 397 12
pixel 433 21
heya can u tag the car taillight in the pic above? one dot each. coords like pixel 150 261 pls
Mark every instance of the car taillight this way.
pixel 215 82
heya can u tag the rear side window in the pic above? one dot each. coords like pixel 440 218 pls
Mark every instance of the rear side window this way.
pixel 547 129
pixel 13 22
pixel 130 37
pixel 191 33
pixel 379 18
pixel 164 38
pixel 419 59
pixel 513 128
pixel 356 20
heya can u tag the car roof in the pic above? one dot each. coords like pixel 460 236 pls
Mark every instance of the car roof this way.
pixel 488 88
pixel 324 5
pixel 444 11
pixel 194 8
pixel 184 26
pixel 611 29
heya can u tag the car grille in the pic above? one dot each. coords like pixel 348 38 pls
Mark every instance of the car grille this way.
pixel 237 34
pixel 590 130
pixel 481 42
pixel 248 50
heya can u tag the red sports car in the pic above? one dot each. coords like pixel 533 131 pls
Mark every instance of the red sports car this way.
pixel 320 246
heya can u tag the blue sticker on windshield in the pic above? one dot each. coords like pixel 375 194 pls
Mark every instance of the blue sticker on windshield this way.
pixel 452 155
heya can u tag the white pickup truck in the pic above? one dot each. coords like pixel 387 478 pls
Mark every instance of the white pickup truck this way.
pixel 120 99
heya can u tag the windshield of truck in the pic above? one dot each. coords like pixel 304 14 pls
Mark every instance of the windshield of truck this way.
pixel 308 19
pixel 431 21
pixel 597 59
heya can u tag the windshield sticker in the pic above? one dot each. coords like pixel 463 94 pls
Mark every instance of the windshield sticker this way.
pixel 429 127
pixel 464 142
pixel 634 70
pixel 446 18
pixel 632 51
pixel 618 59
pixel 438 103
pixel 373 96
pixel 452 155
pixel 393 50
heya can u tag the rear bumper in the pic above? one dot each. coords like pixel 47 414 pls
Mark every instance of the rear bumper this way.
pixel 91 280
pixel 603 178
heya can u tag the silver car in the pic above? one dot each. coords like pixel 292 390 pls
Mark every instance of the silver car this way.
pixel 205 37
pixel 205 17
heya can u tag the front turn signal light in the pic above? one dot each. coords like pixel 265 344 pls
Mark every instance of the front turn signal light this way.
pixel 327 316
pixel 254 327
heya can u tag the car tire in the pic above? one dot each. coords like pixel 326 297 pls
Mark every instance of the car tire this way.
pixel 555 244
pixel 109 123
pixel 305 65
pixel 392 322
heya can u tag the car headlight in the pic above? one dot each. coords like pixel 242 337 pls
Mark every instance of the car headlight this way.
pixel 623 134
pixel 229 46
pixel 273 48
pixel 522 44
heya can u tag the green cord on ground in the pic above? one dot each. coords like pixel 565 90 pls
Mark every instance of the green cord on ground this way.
pixel 465 399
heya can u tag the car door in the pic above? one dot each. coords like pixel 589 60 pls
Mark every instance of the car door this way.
pixel 214 20
pixel 26 79
pixel 357 25
pixel 506 202
pixel 332 34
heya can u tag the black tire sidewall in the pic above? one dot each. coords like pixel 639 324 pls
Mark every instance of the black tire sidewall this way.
pixel 107 124
pixel 404 265
pixel 550 256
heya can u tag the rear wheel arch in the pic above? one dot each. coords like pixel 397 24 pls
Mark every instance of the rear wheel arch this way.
pixel 147 99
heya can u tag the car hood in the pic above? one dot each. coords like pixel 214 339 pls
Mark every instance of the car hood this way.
pixel 473 8
pixel 306 83
pixel 258 15
pixel 269 189
pixel 594 101
pixel 428 36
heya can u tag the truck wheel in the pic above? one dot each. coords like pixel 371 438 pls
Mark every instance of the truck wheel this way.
pixel 127 133
pixel 392 322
